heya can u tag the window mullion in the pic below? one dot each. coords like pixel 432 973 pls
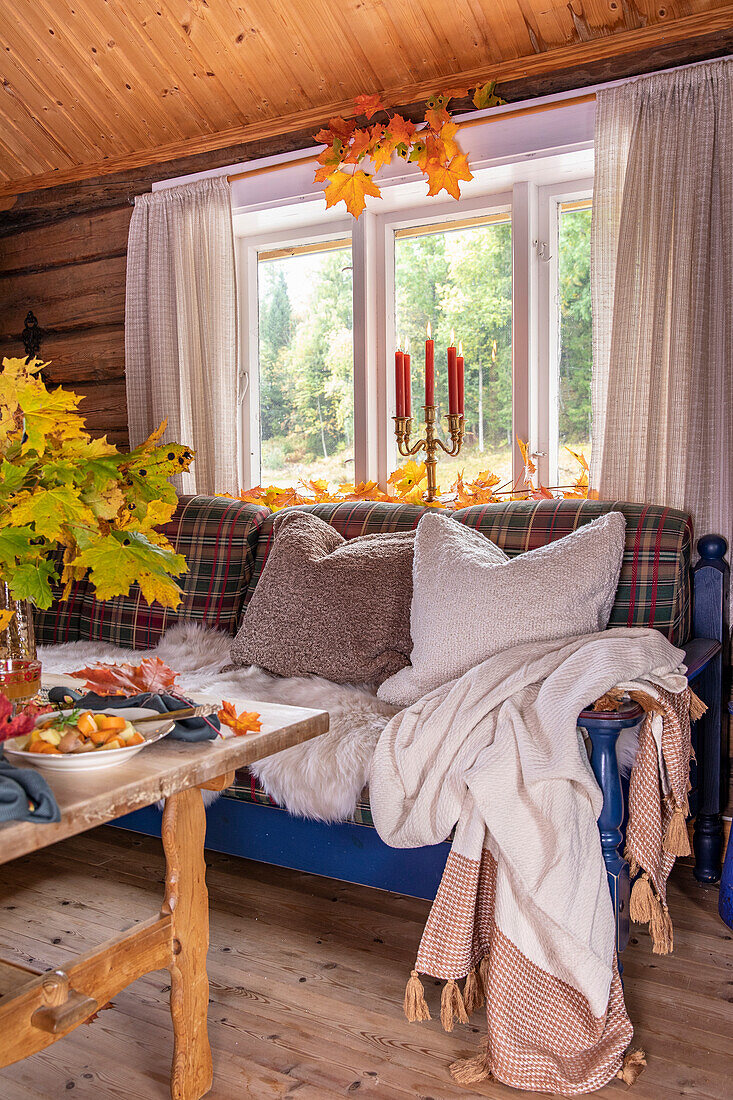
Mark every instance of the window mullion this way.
pixel 525 337
pixel 366 328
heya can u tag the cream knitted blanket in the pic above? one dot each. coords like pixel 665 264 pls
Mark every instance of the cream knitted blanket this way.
pixel 523 910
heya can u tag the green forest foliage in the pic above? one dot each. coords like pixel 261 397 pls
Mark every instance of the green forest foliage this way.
pixel 457 280
pixel 306 362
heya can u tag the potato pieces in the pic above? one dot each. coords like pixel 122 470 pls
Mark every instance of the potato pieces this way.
pixel 82 732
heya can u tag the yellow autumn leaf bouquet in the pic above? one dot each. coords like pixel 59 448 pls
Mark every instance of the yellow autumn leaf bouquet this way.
pixel 60 489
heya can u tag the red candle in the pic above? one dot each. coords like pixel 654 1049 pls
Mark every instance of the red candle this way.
pixel 429 369
pixel 399 379
pixel 408 380
pixel 452 377
pixel 459 363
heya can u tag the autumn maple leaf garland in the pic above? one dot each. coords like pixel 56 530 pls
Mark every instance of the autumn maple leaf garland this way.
pixel 432 147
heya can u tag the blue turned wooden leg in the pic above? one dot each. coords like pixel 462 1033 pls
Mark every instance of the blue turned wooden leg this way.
pixel 603 729
pixel 710 620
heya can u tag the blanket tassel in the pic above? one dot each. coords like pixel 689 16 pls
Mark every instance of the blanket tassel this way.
pixel 642 900
pixel 660 929
pixel 452 1006
pixel 473 992
pixel 469 1071
pixel 416 1007
pixel 633 1065
pixel 697 707
pixel 676 840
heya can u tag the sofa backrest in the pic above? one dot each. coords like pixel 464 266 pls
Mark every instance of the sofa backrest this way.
pixel 217 536
pixel 226 543
pixel 655 587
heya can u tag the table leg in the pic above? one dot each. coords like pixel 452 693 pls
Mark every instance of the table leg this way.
pixel 186 899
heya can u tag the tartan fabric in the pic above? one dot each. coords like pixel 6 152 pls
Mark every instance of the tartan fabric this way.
pixel 217 536
pixel 246 788
pixel 60 623
pixel 655 585
pixel 351 519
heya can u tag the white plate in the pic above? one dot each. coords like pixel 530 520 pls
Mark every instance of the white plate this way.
pixel 99 758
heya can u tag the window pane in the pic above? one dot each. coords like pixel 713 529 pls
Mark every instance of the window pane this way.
pixel 306 366
pixel 575 335
pixel 461 278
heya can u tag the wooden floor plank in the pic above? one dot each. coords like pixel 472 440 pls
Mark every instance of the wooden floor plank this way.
pixel 307 977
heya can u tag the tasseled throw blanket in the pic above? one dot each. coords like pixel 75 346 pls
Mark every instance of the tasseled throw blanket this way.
pixel 524 912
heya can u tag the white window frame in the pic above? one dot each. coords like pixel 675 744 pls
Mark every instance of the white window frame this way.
pixel 550 198
pixel 535 344
pixel 248 250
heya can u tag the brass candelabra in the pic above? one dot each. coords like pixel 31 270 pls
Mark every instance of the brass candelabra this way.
pixel 430 444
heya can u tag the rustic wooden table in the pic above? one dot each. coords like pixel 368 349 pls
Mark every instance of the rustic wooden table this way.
pixel 37 1008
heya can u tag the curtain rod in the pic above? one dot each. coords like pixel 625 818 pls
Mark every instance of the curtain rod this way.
pixel 516 112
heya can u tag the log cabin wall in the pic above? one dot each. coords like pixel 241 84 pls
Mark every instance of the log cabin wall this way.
pixel 71 274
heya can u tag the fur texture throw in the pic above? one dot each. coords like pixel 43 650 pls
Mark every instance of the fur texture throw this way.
pixel 330 607
pixel 320 779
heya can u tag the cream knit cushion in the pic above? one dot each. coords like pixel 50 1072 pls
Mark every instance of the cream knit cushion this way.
pixel 470 601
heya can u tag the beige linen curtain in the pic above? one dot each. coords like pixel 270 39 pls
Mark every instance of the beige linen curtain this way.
pixel 181 328
pixel 662 293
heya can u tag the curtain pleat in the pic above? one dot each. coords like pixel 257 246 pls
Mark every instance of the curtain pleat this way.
pixel 181 328
pixel 662 293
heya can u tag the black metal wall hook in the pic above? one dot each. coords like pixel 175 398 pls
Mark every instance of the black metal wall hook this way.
pixel 31 336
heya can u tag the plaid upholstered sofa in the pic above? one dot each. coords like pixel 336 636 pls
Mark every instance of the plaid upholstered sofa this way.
pixel 226 543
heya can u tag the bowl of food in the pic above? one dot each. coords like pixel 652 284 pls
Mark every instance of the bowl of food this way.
pixel 85 740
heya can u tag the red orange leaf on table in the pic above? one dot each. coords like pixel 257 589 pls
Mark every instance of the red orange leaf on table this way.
pixel 151 675
pixel 246 722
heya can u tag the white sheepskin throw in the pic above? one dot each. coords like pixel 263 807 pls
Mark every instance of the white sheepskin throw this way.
pixel 320 779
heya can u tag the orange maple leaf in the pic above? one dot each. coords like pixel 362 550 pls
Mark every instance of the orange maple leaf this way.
pixel 529 466
pixel 436 113
pixel 446 177
pixel 400 130
pixel 351 188
pixel 369 104
pixel 127 679
pixel 358 147
pixel 246 722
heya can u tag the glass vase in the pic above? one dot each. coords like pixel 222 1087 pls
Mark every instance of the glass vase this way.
pixel 17 639
pixel 20 672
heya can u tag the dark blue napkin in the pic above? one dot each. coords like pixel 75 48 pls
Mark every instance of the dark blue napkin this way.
pixel 21 786
pixel 188 729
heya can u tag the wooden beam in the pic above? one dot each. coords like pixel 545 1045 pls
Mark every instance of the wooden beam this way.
pixel 607 51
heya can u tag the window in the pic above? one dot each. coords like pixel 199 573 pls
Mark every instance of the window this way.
pixel 306 363
pixel 325 300
pixel 575 351
pixel 458 277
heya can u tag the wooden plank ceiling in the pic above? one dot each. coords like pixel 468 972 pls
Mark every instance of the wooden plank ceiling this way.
pixel 89 86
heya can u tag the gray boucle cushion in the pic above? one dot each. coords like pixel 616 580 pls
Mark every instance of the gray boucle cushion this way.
pixel 328 606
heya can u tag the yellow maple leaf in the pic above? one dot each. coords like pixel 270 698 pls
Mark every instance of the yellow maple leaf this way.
pixel 447 136
pixel 446 177
pixel 6 617
pixel 351 188
pixel 407 477
pixel 365 490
